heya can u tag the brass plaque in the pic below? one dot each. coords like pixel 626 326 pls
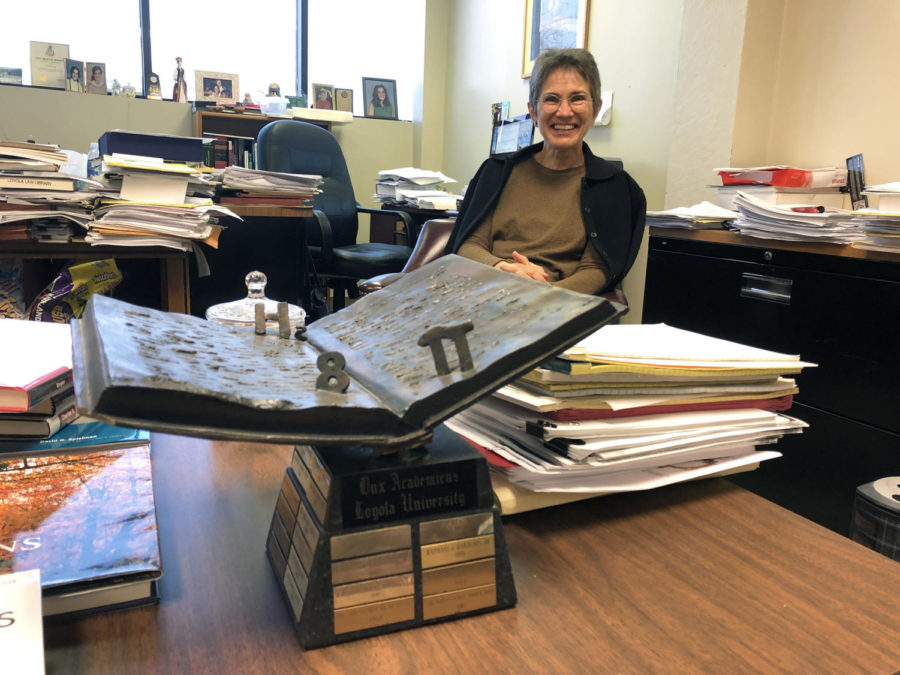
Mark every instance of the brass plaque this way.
pixel 373 590
pixel 290 493
pixel 460 527
pixel 457 577
pixel 304 550
pixel 460 550
pixel 319 473
pixel 456 602
pixel 281 533
pixel 307 526
pixel 371 541
pixel 316 500
pixel 371 566
pixel 299 574
pixel 284 510
pixel 293 594
pixel 375 614
pixel 277 556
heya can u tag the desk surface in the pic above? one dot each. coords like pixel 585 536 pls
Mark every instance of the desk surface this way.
pixel 698 577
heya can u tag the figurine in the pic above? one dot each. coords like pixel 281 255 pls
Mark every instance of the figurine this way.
pixel 179 92
pixel 247 98
pixel 116 88
pixel 274 89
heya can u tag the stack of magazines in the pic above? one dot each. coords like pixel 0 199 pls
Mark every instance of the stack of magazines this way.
pixel 635 407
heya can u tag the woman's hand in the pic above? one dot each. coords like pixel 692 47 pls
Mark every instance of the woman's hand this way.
pixel 523 267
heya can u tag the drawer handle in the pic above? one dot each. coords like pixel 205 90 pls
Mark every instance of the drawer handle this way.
pixel 769 289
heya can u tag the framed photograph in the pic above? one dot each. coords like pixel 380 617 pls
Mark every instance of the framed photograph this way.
pixel 343 100
pixel 96 77
pixel 75 76
pixel 323 96
pixel 553 25
pixel 216 87
pixel 380 97
pixel 48 64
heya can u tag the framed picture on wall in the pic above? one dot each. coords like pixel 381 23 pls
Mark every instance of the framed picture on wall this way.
pixel 323 96
pixel 380 97
pixel 343 100
pixel 555 25
pixel 214 86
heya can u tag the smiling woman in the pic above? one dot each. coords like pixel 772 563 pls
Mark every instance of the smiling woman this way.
pixel 553 212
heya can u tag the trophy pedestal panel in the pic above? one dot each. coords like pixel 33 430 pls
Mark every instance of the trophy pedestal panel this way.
pixel 363 544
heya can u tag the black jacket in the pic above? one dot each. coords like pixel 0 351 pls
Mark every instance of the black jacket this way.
pixel 613 208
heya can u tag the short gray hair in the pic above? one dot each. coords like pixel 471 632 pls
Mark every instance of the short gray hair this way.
pixel 579 60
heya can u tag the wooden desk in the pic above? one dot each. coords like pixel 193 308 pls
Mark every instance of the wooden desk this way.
pixel 173 265
pixel 703 577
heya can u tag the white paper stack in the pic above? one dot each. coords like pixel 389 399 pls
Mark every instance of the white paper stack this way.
pixel 702 216
pixel 633 407
pixel 257 180
pixel 417 187
pixel 795 222
pixel 881 226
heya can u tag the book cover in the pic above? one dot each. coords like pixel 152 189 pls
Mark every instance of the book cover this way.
pixel 35 362
pixel 87 522
pixel 53 404
pixel 384 370
pixel 82 434
pixel 164 146
pixel 38 425
pixel 49 182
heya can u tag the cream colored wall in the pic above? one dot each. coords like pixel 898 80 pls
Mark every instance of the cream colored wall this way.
pixel 834 92
pixel 636 46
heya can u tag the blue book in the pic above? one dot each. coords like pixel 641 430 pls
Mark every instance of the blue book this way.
pixel 81 435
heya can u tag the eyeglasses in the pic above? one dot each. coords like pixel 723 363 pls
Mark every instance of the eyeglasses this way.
pixel 577 101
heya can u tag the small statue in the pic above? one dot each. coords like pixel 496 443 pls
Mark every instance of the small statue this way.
pixel 179 92
pixel 247 98
pixel 274 89
pixel 116 88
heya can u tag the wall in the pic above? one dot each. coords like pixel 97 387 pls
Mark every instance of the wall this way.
pixel 833 92
pixel 636 46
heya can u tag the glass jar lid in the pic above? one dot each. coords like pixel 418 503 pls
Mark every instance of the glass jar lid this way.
pixel 243 312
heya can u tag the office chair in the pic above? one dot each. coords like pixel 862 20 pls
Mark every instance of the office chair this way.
pixel 430 245
pixel 299 147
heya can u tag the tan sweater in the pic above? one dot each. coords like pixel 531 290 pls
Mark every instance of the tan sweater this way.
pixel 539 215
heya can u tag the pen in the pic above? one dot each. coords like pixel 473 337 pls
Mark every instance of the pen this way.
pixel 808 209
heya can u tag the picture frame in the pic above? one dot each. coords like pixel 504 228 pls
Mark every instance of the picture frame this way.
pixel 75 76
pixel 322 96
pixel 215 86
pixel 95 72
pixel 565 25
pixel 343 100
pixel 388 108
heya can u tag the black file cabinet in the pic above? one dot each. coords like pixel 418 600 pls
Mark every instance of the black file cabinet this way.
pixel 835 306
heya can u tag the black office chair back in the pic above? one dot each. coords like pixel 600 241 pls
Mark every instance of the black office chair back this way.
pixel 299 147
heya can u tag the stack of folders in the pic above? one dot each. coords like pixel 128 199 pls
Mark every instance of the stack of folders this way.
pixel 795 222
pixel 634 407
pixel 881 226
pixel 38 201
pixel 240 185
pixel 156 204
pixel 702 216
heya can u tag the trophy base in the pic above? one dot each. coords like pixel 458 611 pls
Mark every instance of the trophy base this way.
pixel 364 544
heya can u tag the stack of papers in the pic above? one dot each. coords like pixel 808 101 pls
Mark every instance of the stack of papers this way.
pixel 881 226
pixel 152 206
pixel 416 187
pixel 38 202
pixel 795 222
pixel 702 216
pixel 636 406
pixel 255 180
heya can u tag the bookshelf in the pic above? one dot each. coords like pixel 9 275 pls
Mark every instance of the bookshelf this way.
pixel 237 124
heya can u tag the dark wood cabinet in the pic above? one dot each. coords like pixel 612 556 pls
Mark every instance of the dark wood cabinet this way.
pixel 835 306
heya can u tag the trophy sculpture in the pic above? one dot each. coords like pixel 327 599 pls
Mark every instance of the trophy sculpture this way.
pixel 385 519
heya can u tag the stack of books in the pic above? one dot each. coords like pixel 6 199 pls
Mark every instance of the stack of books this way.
pixel 415 187
pixel 634 407
pixel 37 200
pixel 241 185
pixel 76 498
